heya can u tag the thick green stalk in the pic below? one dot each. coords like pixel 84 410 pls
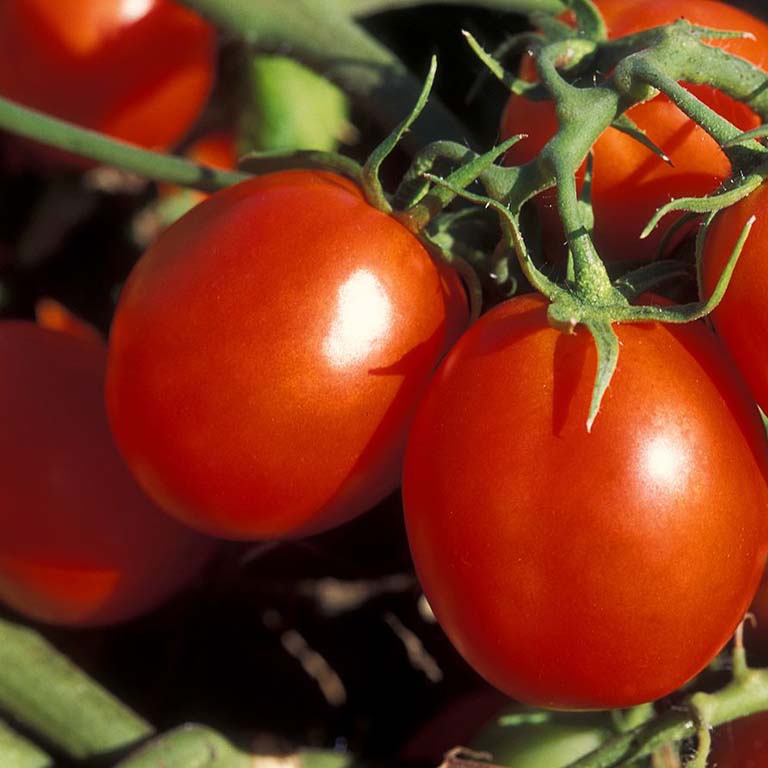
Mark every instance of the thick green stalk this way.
pixel 320 34
pixel 41 689
pixel 96 146
pixel 18 752
pixel 190 746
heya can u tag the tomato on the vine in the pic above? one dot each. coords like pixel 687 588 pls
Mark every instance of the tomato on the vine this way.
pixel 80 543
pixel 268 352
pixel 741 318
pixel 629 181
pixel 579 569
pixel 138 71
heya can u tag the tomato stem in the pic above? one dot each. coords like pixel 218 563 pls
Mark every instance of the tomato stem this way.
pixel 19 752
pixel 96 146
pixel 51 697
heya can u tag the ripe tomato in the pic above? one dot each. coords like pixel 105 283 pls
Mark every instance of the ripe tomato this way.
pixel 629 181
pixel 138 70
pixel 568 567
pixel 268 352
pixel 741 318
pixel 742 743
pixel 80 543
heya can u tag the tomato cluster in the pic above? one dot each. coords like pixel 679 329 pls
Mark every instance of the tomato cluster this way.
pixel 629 182
pixel 288 353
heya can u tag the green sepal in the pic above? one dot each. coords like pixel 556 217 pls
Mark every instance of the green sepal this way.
pixel 630 128
pixel 553 28
pixel 518 43
pixel 708 204
pixel 589 20
pixel 647 277
pixel 496 68
pixel 270 162
pixel 755 134
pixel 607 346
pixel 435 200
pixel 372 188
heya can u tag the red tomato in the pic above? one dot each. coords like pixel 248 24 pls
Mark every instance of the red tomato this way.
pixel 741 744
pixel 80 544
pixel 268 353
pixel 741 318
pixel 138 70
pixel 629 181
pixel 568 567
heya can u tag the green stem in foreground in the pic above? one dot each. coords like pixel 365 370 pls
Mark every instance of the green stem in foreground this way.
pixel 96 146
pixel 18 752
pixel 189 745
pixel 41 689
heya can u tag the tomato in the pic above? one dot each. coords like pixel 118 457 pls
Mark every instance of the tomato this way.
pixel 741 319
pixel 742 743
pixel 80 543
pixel 138 70
pixel 268 352
pixel 568 567
pixel 629 181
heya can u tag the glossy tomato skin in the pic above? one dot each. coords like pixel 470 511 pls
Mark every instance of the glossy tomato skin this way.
pixel 268 353
pixel 742 743
pixel 80 543
pixel 629 182
pixel 741 318
pixel 568 567
pixel 138 71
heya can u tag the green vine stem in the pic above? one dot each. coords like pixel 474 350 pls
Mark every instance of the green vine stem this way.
pixel 189 746
pixel 18 752
pixel 96 146
pixel 51 697
pixel 197 746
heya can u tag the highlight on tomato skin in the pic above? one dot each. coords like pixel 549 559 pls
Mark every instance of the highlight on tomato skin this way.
pixel 80 543
pixel 547 552
pixel 137 71
pixel 268 352
pixel 629 181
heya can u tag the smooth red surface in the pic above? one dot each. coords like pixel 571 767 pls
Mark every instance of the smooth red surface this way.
pixel 629 181
pixel 568 567
pixel 268 353
pixel 742 743
pixel 741 319
pixel 80 543
pixel 138 70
